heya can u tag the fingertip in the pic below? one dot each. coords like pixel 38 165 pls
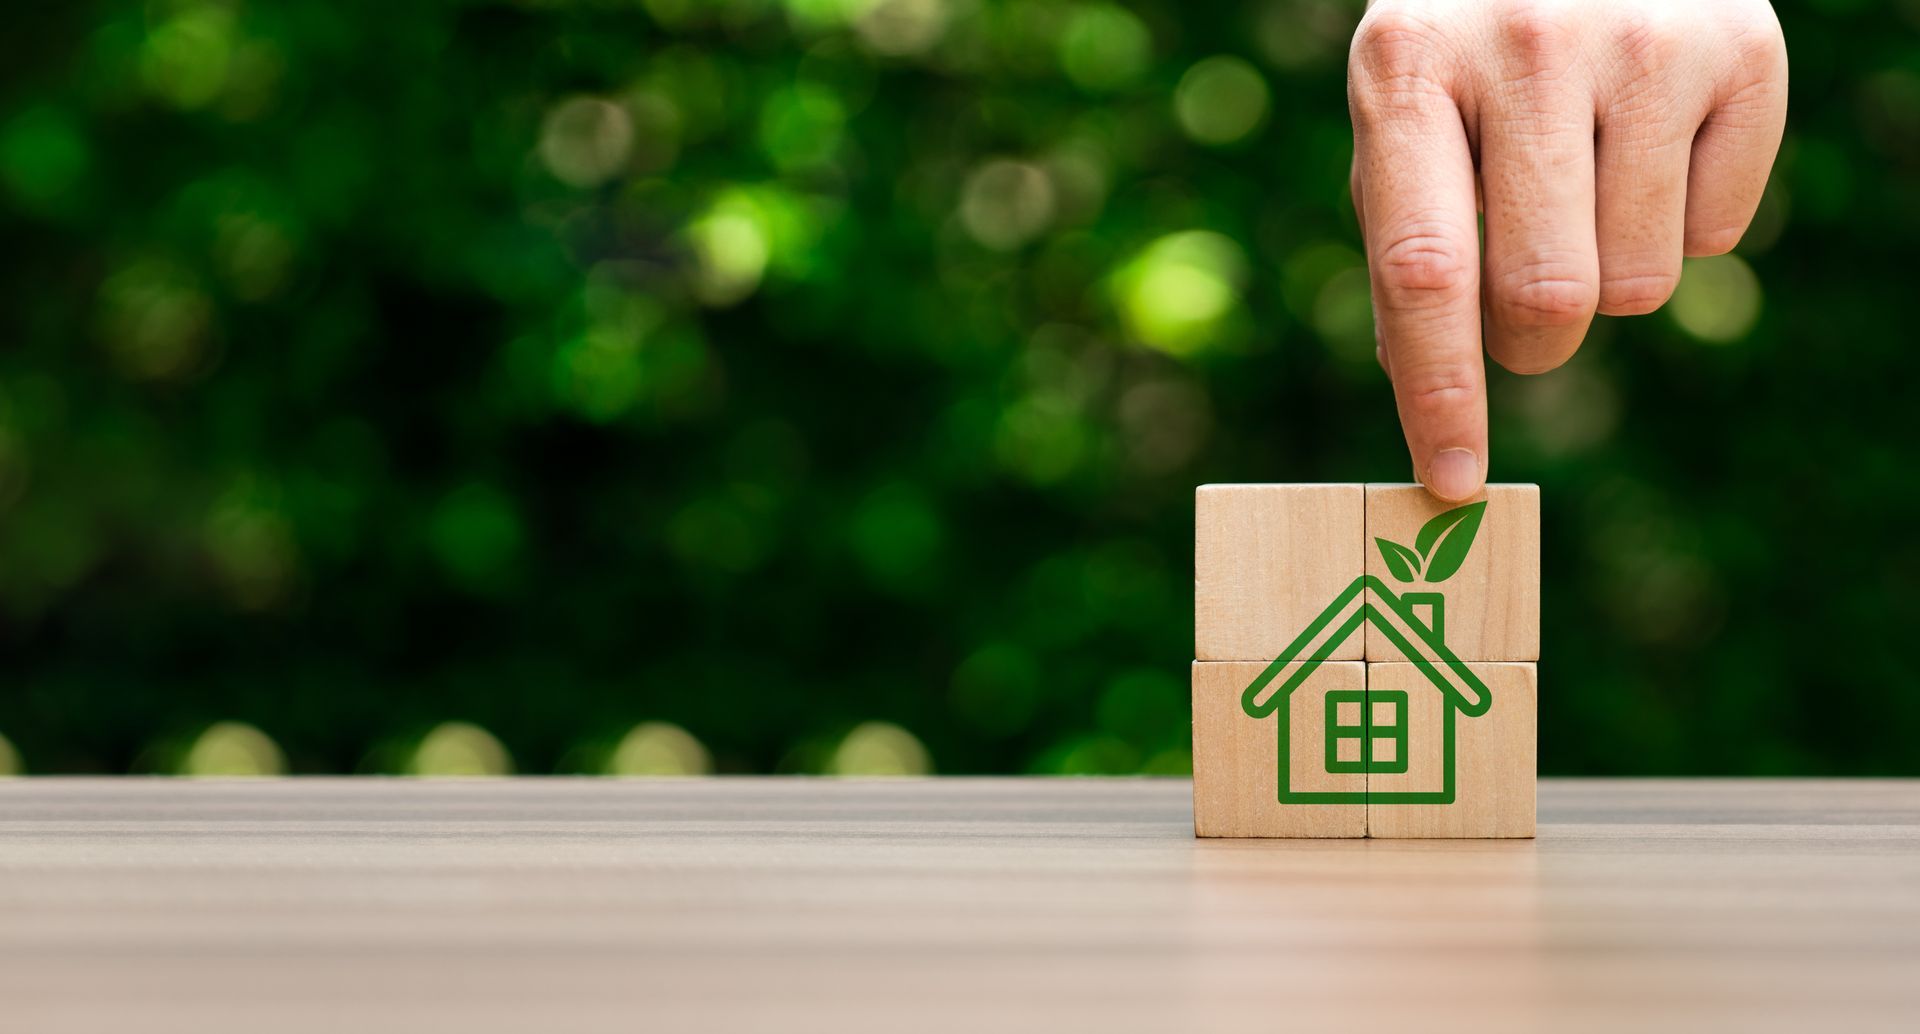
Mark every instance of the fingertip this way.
pixel 1454 474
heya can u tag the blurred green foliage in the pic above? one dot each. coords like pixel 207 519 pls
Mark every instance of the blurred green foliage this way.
pixel 820 385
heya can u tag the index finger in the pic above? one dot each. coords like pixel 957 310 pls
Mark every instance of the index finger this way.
pixel 1413 176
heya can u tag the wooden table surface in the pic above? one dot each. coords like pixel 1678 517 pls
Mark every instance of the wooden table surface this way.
pixel 952 904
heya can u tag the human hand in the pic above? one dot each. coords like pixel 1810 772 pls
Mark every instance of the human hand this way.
pixel 1601 140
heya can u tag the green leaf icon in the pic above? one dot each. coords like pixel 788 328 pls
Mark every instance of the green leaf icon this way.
pixel 1444 541
pixel 1403 562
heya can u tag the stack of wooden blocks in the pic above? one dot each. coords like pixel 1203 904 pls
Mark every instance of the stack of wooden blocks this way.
pixel 1365 661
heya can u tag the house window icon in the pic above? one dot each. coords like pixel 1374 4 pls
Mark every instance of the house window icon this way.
pixel 1366 739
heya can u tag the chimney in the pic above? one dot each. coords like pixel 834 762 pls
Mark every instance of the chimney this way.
pixel 1431 609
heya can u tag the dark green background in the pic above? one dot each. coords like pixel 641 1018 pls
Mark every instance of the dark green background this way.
pixel 357 376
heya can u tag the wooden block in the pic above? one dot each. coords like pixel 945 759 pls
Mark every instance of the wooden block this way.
pixel 1487 600
pixel 1238 783
pixel 1413 718
pixel 1267 560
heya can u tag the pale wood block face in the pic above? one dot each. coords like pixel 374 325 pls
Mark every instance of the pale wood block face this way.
pixel 1236 758
pixel 1494 756
pixel 1492 602
pixel 1267 560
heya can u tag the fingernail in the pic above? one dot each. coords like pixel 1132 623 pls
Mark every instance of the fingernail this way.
pixel 1454 474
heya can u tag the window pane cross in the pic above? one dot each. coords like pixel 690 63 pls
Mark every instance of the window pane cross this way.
pixel 1366 730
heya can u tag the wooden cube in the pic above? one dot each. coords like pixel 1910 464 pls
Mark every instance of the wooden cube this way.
pixel 1267 560
pixel 1469 571
pixel 1435 735
pixel 1271 776
pixel 1434 768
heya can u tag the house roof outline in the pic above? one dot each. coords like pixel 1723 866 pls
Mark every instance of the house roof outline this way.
pixel 1368 599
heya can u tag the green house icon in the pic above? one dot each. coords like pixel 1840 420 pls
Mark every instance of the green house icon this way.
pixel 1368 731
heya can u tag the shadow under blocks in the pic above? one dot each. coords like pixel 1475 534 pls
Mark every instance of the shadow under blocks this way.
pixel 1365 661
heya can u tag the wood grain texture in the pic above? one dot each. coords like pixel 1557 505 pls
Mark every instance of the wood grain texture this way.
pixel 1494 757
pixel 1235 757
pixel 1267 560
pixel 1493 601
pixel 940 905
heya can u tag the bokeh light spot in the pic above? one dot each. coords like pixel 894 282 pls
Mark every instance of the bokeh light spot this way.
pixel 1220 100
pixel 659 749
pixel 1091 755
pixel 1005 204
pixel 997 688
pixel 585 141
pixel 66 545
pixel 254 74
pixel 1146 707
pixel 599 374
pixel 252 546
pixel 657 125
pixel 1104 47
pixel 475 533
pixel 880 749
pixel 1718 299
pixel 1043 438
pixel 43 155
pixel 1175 294
pixel 1324 283
pixel 154 319
pixel 186 58
pixel 1343 317
pixel 897 534
pixel 233 749
pixel 1306 269
pixel 731 244
pixel 459 749
pixel 899 28
pixel 1079 172
pixel 1569 411
pixel 801 126
pixel 254 253
pixel 822 15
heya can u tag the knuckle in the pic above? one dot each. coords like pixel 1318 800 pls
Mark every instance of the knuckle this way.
pixel 1437 387
pixel 1636 294
pixel 1394 48
pixel 1758 48
pixel 1425 266
pixel 1536 36
pixel 1544 294
pixel 1647 46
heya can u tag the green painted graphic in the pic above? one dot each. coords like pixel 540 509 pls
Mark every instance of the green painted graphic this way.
pixel 1367 730
pixel 1440 548
pixel 1346 730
